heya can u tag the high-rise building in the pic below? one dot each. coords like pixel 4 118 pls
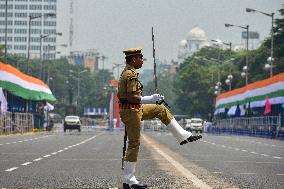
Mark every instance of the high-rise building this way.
pixel 29 19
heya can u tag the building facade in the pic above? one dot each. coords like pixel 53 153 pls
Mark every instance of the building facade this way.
pixel 89 59
pixel 29 19
pixel 195 40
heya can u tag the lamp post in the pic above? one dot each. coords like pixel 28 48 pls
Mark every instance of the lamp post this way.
pixel 78 88
pixel 247 39
pixel 29 30
pixel 117 66
pixel 6 28
pixel 270 59
pixel 42 37
pixel 228 44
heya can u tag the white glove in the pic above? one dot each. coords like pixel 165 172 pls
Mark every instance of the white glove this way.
pixel 153 99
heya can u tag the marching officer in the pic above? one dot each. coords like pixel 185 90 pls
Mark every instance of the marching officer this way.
pixel 134 108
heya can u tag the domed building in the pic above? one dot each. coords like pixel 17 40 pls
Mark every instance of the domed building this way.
pixel 195 40
pixel 183 49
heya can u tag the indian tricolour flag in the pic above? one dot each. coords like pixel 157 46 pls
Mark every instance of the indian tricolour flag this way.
pixel 254 93
pixel 22 85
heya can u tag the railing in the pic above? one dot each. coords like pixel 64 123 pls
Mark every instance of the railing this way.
pixel 16 123
pixel 265 126
pixel 153 125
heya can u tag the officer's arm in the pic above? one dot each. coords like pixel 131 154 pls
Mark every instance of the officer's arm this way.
pixel 133 98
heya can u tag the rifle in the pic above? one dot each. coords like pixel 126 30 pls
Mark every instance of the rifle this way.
pixel 155 70
pixel 124 148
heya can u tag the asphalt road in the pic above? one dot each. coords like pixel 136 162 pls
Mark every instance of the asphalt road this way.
pixel 92 159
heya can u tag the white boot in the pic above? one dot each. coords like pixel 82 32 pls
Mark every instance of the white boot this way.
pixel 129 170
pixel 180 134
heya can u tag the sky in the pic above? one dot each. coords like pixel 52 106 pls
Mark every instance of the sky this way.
pixel 110 26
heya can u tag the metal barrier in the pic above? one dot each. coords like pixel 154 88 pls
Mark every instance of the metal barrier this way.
pixel 153 125
pixel 265 126
pixel 16 123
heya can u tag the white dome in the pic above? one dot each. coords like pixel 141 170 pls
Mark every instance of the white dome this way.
pixel 196 34
pixel 183 44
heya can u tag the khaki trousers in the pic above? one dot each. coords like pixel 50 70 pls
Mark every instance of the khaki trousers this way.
pixel 132 119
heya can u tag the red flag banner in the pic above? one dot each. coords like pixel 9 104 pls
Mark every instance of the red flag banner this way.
pixel 267 106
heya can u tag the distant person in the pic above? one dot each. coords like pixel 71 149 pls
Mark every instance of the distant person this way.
pixel 134 107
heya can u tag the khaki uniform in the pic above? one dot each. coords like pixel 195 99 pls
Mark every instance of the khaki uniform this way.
pixel 132 114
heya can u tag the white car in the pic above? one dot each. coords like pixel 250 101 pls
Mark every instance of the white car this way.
pixel 72 122
pixel 194 124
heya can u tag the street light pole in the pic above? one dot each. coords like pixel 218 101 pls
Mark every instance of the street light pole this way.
pixel 228 44
pixel 29 32
pixel 271 52
pixel 272 35
pixel 247 28
pixel 6 29
pixel 78 87
pixel 247 41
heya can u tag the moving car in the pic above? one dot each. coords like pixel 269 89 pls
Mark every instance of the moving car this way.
pixel 194 124
pixel 72 122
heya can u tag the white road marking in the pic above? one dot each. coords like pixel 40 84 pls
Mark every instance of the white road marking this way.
pixel 20 141
pixel 253 152
pixel 196 181
pixel 37 159
pixel 276 157
pixel 1 144
pixel 244 150
pixel 27 163
pixel 216 172
pixel 280 174
pixel 11 169
pixel 60 151
pixel 247 173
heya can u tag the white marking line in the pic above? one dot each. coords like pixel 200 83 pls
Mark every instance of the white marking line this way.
pixel 216 172
pixel 60 151
pixel 66 148
pixel 247 173
pixel 253 153
pixel 27 163
pixel 276 157
pixel 47 156
pixel 280 174
pixel 37 159
pixel 244 150
pixel 264 155
pixel 1 144
pixel 54 153
pixel 20 141
pixel 197 182
pixel 11 169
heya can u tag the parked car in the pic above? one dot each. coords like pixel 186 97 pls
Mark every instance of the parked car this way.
pixel 72 122
pixel 194 124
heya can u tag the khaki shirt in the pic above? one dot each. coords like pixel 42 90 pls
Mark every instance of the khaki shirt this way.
pixel 129 82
